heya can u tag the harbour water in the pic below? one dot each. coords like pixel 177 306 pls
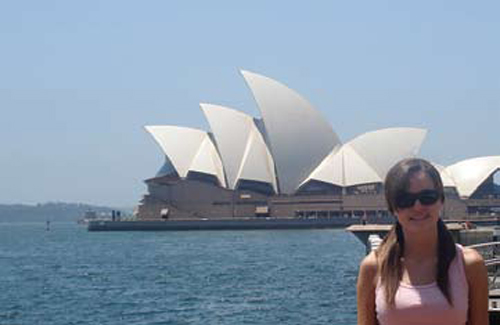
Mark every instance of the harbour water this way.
pixel 70 276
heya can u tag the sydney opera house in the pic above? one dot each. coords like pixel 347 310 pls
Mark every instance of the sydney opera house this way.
pixel 290 163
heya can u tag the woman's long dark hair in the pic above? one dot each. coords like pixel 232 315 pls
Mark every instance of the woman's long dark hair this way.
pixel 391 250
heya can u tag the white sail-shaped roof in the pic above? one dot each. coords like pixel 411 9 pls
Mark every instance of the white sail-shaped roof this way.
pixel 445 177
pixel 207 161
pixel 383 148
pixel 257 163
pixel 469 174
pixel 345 167
pixel 356 169
pixel 299 137
pixel 368 157
pixel 330 170
pixel 242 147
pixel 189 150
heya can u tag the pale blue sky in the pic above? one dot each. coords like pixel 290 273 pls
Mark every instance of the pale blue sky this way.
pixel 79 80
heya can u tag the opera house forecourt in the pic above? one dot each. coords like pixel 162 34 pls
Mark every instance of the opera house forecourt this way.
pixel 289 164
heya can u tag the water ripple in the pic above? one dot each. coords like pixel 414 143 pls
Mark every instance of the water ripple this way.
pixel 71 276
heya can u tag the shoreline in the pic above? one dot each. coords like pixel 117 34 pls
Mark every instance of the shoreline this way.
pixel 219 224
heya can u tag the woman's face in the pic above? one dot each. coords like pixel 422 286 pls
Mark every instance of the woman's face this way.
pixel 420 217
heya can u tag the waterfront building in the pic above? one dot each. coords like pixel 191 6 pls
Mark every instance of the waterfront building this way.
pixel 290 163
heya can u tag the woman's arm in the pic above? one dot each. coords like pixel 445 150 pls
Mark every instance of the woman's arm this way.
pixel 477 278
pixel 366 290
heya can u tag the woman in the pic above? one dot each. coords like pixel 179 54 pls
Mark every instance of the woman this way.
pixel 418 275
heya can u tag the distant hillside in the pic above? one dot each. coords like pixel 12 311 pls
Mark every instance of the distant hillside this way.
pixel 50 211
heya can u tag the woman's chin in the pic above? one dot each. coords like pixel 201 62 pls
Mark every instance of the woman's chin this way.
pixel 417 223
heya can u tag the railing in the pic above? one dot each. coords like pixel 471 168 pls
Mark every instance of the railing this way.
pixel 491 254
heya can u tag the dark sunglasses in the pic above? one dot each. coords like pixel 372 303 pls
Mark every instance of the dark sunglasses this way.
pixel 406 200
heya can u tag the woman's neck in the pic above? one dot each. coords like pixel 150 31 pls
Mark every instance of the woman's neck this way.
pixel 422 246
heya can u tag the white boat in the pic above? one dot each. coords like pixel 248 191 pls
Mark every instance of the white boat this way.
pixel 88 216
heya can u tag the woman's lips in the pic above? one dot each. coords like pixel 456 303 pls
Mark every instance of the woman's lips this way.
pixel 419 218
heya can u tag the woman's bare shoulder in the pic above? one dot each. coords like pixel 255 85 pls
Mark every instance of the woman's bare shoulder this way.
pixel 369 264
pixel 367 273
pixel 472 257
pixel 474 262
pixel 477 277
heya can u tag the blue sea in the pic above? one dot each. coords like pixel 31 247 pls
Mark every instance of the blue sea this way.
pixel 70 276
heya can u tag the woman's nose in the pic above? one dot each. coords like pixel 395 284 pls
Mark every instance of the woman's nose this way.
pixel 419 206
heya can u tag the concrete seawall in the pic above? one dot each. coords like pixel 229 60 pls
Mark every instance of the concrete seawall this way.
pixel 231 224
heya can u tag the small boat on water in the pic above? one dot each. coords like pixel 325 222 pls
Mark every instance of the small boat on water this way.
pixel 89 215
pixel 92 215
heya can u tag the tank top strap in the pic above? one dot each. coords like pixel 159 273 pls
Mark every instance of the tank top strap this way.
pixel 457 267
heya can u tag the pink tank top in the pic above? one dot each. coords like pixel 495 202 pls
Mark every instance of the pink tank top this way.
pixel 425 304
